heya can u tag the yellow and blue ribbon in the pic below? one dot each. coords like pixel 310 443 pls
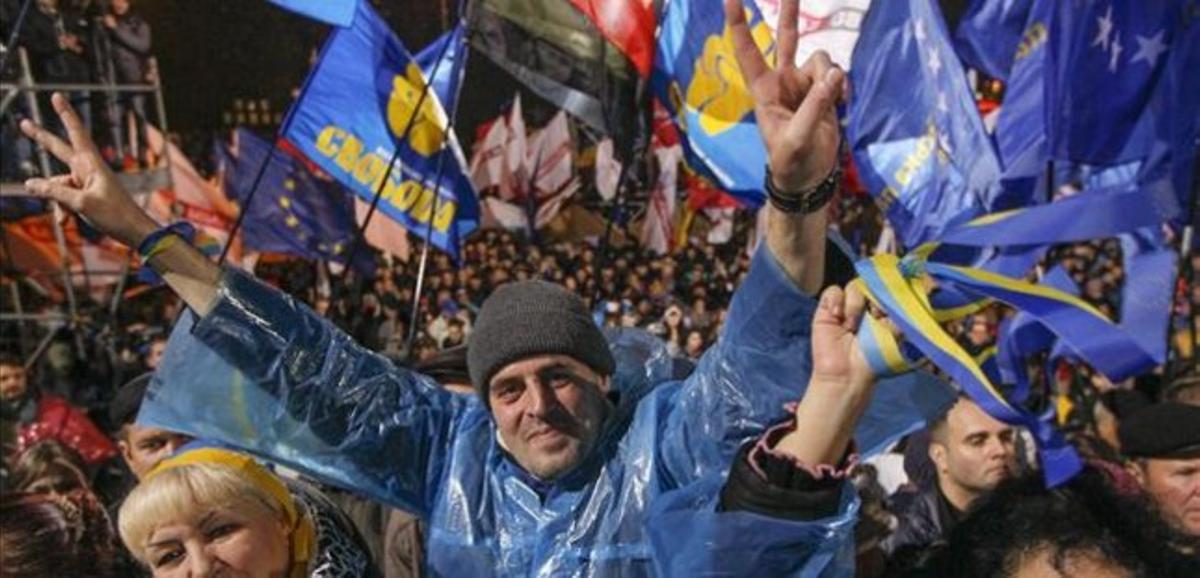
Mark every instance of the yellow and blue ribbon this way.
pixel 931 286
pixel 898 287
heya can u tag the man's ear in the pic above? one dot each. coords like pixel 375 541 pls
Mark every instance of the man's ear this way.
pixel 1137 469
pixel 605 384
pixel 126 450
pixel 937 454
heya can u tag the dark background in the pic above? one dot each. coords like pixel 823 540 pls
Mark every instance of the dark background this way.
pixel 212 52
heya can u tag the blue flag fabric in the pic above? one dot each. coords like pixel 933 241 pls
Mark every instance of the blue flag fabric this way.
pixel 1118 77
pixel 989 34
pixel 355 108
pixel 916 135
pixel 335 12
pixel 1021 127
pixel 444 77
pixel 696 76
pixel 294 212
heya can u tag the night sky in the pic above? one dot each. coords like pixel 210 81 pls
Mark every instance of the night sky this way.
pixel 213 51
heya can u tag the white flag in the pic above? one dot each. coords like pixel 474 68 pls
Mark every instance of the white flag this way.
pixel 515 176
pixel 551 207
pixel 551 157
pixel 487 165
pixel 505 214
pixel 608 170
pixel 660 213
pixel 829 25
pixel 722 224
pixel 383 232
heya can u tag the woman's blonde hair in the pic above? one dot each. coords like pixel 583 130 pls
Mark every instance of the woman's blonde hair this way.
pixel 187 492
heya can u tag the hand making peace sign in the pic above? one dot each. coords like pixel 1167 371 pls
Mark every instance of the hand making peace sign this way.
pixel 794 106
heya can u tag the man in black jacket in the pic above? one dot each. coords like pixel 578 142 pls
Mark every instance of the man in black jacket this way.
pixel 129 52
pixel 972 453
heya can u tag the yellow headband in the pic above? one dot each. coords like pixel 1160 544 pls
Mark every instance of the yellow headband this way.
pixel 303 533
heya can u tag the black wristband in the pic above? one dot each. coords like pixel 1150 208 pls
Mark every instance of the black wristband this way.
pixel 806 202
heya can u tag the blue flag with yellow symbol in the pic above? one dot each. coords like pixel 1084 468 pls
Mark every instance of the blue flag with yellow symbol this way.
pixel 696 76
pixel 353 114
pixel 989 33
pixel 293 212
pixel 916 135
pixel 450 50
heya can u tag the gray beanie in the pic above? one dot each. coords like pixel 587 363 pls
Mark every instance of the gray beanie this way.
pixel 528 318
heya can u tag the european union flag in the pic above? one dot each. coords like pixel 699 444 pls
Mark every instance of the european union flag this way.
pixel 696 76
pixel 916 135
pixel 989 34
pixel 1121 77
pixel 294 212
pixel 355 108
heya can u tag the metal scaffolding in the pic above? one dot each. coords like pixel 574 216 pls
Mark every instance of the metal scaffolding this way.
pixel 140 184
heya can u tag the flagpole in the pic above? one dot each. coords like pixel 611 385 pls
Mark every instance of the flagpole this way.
pixel 262 168
pixel 11 43
pixel 531 206
pixel 408 126
pixel 416 306
pixel 437 197
pixel 1185 253
pixel 618 202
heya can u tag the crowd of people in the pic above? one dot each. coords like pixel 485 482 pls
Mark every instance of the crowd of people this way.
pixel 79 42
pixel 681 297
pixel 564 408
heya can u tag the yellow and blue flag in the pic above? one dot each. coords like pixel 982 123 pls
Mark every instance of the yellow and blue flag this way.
pixel 917 138
pixel 696 76
pixel 354 114
pixel 294 212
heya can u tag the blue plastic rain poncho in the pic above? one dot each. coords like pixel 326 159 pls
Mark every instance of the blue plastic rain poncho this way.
pixel 304 395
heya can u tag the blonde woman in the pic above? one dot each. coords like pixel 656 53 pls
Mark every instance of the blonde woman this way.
pixel 214 512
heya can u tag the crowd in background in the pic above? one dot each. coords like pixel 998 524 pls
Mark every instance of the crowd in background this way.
pixel 72 453
pixel 80 42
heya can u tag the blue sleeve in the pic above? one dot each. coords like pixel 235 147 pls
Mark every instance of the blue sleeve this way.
pixel 689 537
pixel 263 372
pixel 761 362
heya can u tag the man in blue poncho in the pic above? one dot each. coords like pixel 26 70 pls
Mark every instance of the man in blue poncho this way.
pixel 565 461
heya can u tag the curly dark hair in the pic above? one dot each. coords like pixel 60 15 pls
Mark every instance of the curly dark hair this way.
pixel 56 535
pixel 1085 517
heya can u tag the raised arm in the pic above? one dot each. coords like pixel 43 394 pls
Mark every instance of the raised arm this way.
pixel 316 401
pixel 91 190
pixel 795 111
pixel 762 360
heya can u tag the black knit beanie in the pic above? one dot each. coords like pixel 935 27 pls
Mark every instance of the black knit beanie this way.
pixel 528 318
